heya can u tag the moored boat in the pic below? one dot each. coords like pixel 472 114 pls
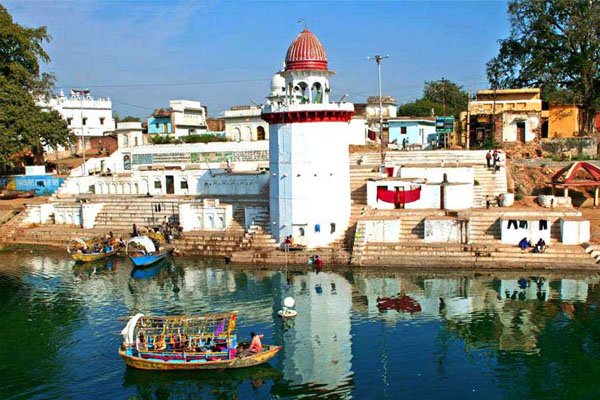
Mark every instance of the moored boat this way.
pixel 142 251
pixel 187 343
pixel 16 194
pixel 81 251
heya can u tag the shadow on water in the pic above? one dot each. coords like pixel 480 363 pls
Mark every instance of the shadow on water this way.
pixel 100 267
pixel 228 384
pixel 150 271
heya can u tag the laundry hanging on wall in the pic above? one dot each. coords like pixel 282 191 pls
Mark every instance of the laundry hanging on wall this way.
pixel 398 196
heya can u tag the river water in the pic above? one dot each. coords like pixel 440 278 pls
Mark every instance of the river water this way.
pixel 455 335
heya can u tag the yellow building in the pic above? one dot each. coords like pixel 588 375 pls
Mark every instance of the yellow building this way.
pixel 563 121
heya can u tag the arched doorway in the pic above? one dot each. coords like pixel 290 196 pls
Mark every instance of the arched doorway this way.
pixel 247 136
pixel 260 133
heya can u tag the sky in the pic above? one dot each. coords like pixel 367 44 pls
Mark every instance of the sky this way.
pixel 141 54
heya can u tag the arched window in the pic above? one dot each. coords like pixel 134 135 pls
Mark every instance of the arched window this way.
pixel 260 133
pixel 300 92
pixel 237 134
pixel 317 93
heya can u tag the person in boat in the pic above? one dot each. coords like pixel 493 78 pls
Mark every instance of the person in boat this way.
pixel 256 343
pixel 142 345
pixel 540 246
pixel 161 344
pixel 524 244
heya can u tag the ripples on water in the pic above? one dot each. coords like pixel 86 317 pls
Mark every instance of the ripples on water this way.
pixel 455 336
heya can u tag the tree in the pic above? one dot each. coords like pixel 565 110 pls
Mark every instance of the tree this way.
pixel 25 127
pixel 554 45
pixel 433 99
pixel 128 118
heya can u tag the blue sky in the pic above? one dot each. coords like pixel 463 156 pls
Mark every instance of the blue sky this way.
pixel 224 53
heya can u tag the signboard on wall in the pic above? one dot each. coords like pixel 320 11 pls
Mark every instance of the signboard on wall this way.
pixel 444 124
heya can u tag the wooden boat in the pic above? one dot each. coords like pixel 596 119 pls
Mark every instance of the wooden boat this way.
pixel 142 252
pixel 89 257
pixel 79 249
pixel 26 195
pixel 205 342
pixel 16 194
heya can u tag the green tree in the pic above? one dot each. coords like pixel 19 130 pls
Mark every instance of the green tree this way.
pixel 128 118
pixel 25 127
pixel 555 45
pixel 433 99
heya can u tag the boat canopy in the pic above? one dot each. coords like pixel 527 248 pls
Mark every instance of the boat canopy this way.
pixel 143 241
pixel 129 331
pixel 206 325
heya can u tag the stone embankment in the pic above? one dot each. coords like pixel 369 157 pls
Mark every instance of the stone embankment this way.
pixel 242 244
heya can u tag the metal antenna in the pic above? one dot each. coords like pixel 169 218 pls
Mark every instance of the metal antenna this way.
pixel 378 58
pixel 302 21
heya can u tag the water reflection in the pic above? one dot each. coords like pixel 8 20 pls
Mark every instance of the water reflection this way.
pixel 499 335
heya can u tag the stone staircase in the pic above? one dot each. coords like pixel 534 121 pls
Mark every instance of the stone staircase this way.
pixel 489 183
pixel 495 255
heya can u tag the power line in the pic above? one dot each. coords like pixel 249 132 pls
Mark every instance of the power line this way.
pixel 125 85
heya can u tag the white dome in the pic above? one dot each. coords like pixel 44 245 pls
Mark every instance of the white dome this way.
pixel 277 84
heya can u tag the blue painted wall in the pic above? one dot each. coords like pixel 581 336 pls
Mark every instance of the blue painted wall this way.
pixel 413 132
pixel 152 121
pixel 42 184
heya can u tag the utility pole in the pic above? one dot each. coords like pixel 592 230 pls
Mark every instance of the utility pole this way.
pixel 378 58
pixel 82 131
pixel 444 96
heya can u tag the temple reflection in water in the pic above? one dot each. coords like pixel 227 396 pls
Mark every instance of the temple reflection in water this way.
pixel 446 330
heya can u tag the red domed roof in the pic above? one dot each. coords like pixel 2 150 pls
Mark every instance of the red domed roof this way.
pixel 306 52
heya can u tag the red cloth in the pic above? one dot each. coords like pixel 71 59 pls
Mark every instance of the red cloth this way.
pixel 389 171
pixel 398 196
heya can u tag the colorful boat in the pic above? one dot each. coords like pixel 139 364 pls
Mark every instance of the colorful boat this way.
pixel 142 251
pixel 79 249
pixel 205 342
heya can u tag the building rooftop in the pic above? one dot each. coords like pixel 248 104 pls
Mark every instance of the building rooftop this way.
pixel 306 53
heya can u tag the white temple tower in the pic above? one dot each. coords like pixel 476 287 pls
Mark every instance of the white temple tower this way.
pixel 308 149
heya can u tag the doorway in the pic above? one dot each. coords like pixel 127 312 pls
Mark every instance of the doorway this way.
pixel 521 132
pixel 170 184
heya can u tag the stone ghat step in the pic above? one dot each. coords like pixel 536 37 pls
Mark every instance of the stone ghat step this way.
pixel 329 255
pixel 475 262
pixel 500 257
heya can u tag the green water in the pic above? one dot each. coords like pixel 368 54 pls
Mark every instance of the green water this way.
pixel 462 335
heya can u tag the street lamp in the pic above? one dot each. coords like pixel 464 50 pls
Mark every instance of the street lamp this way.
pixel 378 58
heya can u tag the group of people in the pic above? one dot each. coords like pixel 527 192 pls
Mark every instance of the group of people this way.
pixel 539 247
pixel 177 342
pixel 492 160
pixel 167 229
pixel 105 244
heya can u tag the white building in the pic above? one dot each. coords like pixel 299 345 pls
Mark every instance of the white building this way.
pixel 86 117
pixel 309 189
pixel 182 118
pixel 129 134
pixel 243 123
pixel 189 117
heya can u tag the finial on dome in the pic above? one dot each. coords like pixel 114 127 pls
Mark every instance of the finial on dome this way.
pixel 303 22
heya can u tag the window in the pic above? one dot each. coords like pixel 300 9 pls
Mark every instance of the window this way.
pixel 85 120
pixel 184 184
pixel 332 227
pixel 157 185
pixel 41 184
pixel 157 125
pixel 403 130
pixel 69 121
pixel 101 121
pixel 301 230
